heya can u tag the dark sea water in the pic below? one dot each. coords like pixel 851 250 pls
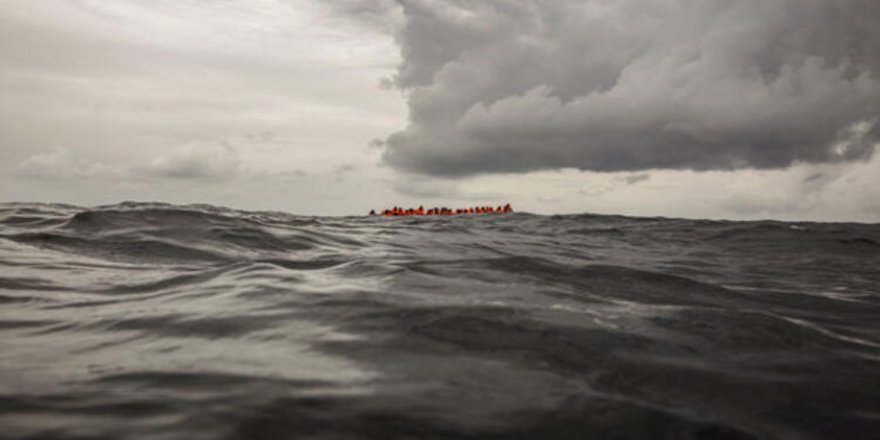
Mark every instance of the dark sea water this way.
pixel 152 321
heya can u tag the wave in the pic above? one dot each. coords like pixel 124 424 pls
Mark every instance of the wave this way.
pixel 148 320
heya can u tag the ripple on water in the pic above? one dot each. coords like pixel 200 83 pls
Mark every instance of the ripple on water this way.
pixel 161 321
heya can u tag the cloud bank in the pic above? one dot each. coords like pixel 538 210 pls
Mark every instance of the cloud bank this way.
pixel 61 164
pixel 194 161
pixel 502 86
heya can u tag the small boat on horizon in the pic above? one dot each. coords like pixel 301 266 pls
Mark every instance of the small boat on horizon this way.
pixel 401 212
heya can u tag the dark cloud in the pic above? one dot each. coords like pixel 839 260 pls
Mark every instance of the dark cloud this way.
pixel 376 144
pixel 516 86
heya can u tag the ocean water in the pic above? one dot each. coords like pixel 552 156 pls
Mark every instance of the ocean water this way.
pixel 154 321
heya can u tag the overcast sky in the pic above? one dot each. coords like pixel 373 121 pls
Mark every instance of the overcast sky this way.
pixel 712 108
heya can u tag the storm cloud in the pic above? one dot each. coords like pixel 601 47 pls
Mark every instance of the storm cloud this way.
pixel 503 86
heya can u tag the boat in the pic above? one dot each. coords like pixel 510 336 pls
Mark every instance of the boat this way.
pixel 398 211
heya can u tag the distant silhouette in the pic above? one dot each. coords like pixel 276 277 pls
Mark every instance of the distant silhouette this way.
pixel 398 211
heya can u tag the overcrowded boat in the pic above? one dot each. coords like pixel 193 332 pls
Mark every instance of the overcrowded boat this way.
pixel 398 211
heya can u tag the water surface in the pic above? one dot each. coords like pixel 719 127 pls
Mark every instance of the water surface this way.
pixel 153 321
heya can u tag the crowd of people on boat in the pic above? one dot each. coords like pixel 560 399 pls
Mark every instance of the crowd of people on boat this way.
pixel 399 211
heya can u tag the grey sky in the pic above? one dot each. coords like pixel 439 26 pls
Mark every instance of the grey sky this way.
pixel 742 109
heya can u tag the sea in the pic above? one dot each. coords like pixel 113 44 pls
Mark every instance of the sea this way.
pixel 157 321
